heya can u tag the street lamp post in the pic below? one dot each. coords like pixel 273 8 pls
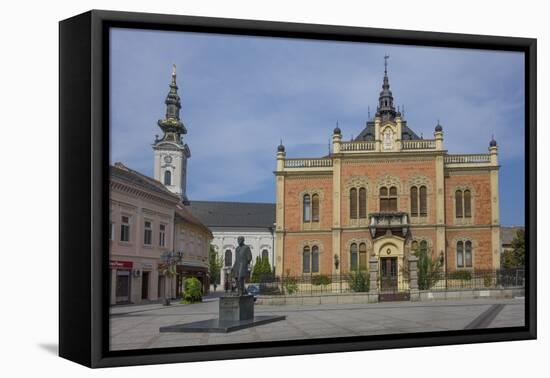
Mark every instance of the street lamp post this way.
pixel 170 259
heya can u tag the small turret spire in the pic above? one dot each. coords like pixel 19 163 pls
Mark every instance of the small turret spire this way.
pixel 385 101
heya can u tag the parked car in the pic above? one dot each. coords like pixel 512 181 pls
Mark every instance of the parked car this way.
pixel 254 291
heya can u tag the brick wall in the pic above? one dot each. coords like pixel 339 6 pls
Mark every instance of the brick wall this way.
pixel 294 186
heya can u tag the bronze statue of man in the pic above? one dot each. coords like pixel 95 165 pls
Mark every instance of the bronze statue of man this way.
pixel 243 257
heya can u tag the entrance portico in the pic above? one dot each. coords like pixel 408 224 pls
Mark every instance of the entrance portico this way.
pixel 390 252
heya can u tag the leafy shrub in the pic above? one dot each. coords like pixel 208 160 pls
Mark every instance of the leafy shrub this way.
pixel 321 280
pixel 464 275
pixel 359 281
pixel 291 285
pixel 488 281
pixel 193 291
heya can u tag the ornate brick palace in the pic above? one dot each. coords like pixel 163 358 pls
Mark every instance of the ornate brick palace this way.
pixel 383 195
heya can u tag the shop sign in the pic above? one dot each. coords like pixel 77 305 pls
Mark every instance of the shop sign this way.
pixel 114 264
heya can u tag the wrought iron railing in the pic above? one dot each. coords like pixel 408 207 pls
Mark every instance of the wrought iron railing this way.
pixel 465 279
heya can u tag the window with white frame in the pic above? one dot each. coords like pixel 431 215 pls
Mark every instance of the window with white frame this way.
pixel 162 235
pixel 147 233
pixel 125 228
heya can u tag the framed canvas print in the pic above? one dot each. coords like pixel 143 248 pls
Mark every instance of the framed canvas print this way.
pixel 235 188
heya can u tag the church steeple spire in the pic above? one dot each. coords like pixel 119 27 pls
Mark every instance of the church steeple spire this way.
pixel 171 125
pixel 385 108
pixel 171 153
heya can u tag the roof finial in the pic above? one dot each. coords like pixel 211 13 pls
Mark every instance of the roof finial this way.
pixel 386 57
pixel 403 110
pixel 368 110
pixel 174 69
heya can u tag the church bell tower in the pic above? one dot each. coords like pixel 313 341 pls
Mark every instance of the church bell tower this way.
pixel 171 153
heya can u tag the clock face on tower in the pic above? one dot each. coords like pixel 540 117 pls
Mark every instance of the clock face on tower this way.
pixel 168 159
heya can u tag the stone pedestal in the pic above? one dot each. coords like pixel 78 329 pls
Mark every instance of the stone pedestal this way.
pixel 413 278
pixel 235 312
pixel 236 308
pixel 373 274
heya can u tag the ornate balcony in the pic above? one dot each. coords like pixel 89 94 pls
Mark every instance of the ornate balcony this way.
pixel 397 223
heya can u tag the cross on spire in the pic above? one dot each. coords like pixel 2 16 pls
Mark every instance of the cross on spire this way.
pixel 386 57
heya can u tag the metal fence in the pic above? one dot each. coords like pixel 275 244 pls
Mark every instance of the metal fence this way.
pixel 494 279
pixel 314 284
pixel 359 282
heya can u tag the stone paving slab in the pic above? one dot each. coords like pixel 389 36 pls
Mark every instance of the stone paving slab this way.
pixel 137 327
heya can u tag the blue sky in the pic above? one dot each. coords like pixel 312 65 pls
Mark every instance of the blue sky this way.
pixel 241 95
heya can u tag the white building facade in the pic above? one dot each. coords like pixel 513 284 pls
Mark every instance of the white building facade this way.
pixel 229 220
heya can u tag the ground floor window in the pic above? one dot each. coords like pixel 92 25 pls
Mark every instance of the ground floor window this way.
pixel 310 259
pixel 464 254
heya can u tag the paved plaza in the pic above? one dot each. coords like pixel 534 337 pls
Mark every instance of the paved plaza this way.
pixel 137 327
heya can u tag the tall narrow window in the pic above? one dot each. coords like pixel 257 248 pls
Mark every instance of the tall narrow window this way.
pixel 306 260
pixel 362 256
pixel 468 254
pixel 467 204
pixel 167 177
pixel 111 231
pixel 362 203
pixel 458 204
pixel 228 258
pixel 125 229
pixel 384 199
pixel 393 199
pixel 315 208
pixel 414 201
pixel 147 233
pixel 353 203
pixel 460 254
pixel 307 208
pixel 423 201
pixel 353 256
pixel 162 235
pixel 315 259
pixel 265 254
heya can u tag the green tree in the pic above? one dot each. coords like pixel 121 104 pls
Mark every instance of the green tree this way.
pixel 515 258
pixel 216 264
pixel 256 270
pixel 427 268
pixel 359 281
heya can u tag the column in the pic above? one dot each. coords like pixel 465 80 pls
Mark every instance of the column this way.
pixel 413 278
pixel 373 275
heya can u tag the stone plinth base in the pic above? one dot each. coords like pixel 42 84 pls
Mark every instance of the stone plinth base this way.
pixel 235 308
pixel 217 326
pixel 236 312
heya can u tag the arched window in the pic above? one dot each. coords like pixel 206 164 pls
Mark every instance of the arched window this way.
pixel 306 260
pixel 458 204
pixel 362 256
pixel 362 203
pixel 228 258
pixel 315 259
pixel 468 254
pixel 315 208
pixel 388 199
pixel 467 204
pixel 423 201
pixel 414 201
pixel 265 254
pixel 353 256
pixel 353 203
pixel 307 208
pixel 393 199
pixel 167 177
pixel 460 254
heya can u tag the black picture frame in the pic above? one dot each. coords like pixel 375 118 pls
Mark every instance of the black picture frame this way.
pixel 83 197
